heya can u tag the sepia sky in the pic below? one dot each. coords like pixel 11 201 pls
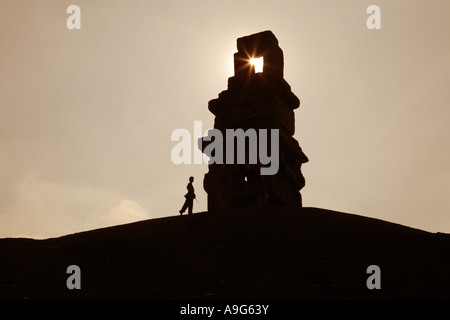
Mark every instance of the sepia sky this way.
pixel 86 115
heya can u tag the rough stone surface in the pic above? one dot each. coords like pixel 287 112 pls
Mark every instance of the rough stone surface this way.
pixel 261 100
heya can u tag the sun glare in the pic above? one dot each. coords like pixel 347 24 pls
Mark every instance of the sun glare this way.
pixel 258 63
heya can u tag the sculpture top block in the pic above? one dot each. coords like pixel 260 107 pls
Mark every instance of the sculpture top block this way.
pixel 263 44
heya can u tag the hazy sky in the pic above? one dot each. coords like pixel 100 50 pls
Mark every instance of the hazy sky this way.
pixel 87 115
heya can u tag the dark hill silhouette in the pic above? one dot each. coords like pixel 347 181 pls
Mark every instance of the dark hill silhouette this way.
pixel 241 254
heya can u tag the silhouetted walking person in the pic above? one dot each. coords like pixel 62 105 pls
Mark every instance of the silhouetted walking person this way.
pixel 190 196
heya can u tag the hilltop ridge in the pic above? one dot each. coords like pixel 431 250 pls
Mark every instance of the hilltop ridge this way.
pixel 274 253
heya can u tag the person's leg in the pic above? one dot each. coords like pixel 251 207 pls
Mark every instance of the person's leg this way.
pixel 190 206
pixel 185 205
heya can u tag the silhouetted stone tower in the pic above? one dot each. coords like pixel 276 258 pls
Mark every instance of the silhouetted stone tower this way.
pixel 258 100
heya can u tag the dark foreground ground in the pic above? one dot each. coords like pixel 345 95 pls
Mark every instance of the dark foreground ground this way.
pixel 240 255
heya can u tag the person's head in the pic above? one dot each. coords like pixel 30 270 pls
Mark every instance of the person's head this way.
pixel 191 179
